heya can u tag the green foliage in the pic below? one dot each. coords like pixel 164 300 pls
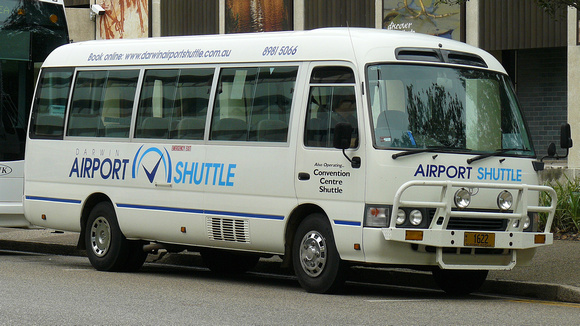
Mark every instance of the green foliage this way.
pixel 567 217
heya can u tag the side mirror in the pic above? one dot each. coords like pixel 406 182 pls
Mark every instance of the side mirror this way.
pixel 565 142
pixel 342 135
pixel 565 136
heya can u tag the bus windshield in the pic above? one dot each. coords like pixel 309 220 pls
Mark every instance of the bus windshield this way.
pixel 445 108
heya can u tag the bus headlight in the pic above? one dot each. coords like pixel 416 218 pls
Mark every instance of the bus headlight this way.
pixel 415 217
pixel 401 217
pixel 505 200
pixel 462 198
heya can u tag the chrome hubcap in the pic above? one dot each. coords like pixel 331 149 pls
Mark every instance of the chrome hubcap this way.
pixel 313 253
pixel 100 236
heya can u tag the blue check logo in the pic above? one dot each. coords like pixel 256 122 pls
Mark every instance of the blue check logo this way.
pixel 144 159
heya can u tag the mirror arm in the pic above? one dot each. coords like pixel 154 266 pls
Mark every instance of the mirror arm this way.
pixel 355 162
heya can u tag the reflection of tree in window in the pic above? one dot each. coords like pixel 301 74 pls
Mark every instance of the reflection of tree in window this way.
pixel 437 114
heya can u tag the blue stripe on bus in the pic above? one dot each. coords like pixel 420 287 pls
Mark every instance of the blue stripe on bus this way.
pixel 161 208
pixel 55 200
pixel 200 211
pixel 350 223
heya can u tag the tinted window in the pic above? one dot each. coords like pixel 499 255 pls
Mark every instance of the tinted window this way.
pixel 174 103
pixel 102 103
pixel 253 104
pixel 330 104
pixel 50 104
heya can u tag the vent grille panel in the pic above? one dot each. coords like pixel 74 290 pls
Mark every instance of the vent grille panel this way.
pixel 228 229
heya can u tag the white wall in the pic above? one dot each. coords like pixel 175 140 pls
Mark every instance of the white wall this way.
pixel 80 26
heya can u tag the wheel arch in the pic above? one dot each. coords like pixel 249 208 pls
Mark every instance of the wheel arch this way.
pixel 88 206
pixel 295 218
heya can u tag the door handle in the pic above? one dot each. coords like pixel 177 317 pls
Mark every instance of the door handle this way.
pixel 303 176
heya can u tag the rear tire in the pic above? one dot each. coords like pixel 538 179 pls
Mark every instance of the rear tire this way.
pixel 316 261
pixel 107 247
pixel 459 282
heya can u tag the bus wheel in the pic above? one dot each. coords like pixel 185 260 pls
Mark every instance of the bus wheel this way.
pixel 459 282
pixel 315 258
pixel 107 247
pixel 225 262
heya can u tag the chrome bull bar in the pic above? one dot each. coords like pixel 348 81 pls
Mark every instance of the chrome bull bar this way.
pixel 437 235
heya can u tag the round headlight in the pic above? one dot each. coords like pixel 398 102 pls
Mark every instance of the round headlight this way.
pixel 527 222
pixel 415 217
pixel 505 200
pixel 401 216
pixel 462 198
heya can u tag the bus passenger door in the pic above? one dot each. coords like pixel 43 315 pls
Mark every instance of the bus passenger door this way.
pixel 324 176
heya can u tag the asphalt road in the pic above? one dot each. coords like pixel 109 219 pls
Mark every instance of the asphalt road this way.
pixel 64 290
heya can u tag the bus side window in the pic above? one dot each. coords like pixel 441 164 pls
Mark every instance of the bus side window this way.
pixel 102 103
pixel 50 104
pixel 173 103
pixel 254 104
pixel 156 98
pixel 329 105
pixel 191 103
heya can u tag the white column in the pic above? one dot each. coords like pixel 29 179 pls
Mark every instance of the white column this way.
pixel 298 15
pixel 222 16
pixel 573 86
pixel 155 13
pixel 472 22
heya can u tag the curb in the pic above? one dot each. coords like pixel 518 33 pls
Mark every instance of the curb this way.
pixel 42 248
pixel 540 291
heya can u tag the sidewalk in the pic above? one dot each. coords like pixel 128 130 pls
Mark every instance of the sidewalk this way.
pixel 553 275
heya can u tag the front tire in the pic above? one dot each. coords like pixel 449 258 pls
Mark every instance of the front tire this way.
pixel 459 282
pixel 316 261
pixel 107 247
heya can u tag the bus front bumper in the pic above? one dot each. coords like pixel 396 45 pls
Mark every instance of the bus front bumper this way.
pixel 450 245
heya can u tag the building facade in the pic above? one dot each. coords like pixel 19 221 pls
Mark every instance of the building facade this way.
pixel 538 50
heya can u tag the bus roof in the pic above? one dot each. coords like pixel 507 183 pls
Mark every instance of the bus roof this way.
pixel 357 45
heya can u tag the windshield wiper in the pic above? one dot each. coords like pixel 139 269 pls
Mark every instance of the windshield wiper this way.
pixel 496 153
pixel 430 149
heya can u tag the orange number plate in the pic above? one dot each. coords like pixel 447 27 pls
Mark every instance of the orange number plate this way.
pixel 478 239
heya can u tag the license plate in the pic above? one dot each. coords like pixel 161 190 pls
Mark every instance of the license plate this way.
pixel 479 239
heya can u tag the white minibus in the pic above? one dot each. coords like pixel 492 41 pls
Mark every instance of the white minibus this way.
pixel 329 148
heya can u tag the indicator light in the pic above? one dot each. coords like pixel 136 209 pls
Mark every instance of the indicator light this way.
pixel 414 235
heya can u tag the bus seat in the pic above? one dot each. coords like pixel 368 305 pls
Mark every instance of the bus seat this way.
pixel 49 125
pixel 316 133
pixel 190 128
pixel 154 127
pixel 393 119
pixel 391 125
pixel 85 125
pixel 111 106
pixel 229 129
pixel 272 130
pixel 120 131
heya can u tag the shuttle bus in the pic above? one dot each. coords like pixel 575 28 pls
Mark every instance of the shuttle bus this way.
pixel 29 31
pixel 329 148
